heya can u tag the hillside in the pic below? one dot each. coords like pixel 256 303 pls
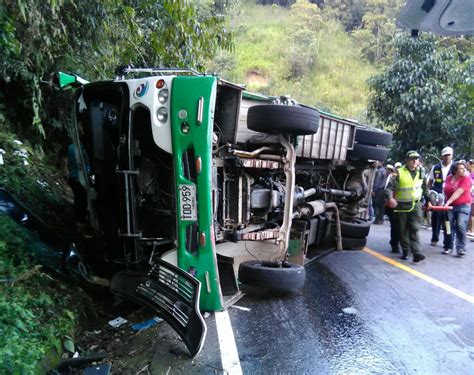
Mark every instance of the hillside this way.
pixel 298 51
pixel 321 56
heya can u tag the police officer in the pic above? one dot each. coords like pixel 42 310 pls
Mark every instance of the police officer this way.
pixel 404 193
pixel 436 179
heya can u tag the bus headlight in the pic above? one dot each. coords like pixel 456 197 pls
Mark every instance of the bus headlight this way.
pixel 162 114
pixel 163 96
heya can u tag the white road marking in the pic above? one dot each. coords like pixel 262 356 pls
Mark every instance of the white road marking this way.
pixel 229 355
pixel 431 280
pixel 240 308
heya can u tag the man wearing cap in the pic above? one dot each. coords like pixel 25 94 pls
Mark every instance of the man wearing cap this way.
pixel 436 179
pixel 404 193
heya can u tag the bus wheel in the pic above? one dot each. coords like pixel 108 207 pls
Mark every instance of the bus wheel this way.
pixel 272 275
pixel 373 137
pixel 356 228
pixel 364 152
pixel 277 119
pixel 353 243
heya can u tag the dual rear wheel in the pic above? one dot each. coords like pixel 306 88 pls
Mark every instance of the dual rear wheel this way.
pixel 371 144
pixel 296 120
pixel 278 119
pixel 353 232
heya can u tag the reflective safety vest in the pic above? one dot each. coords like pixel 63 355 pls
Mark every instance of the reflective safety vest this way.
pixel 409 188
pixel 437 178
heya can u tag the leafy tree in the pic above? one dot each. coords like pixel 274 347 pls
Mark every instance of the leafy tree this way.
pixel 305 21
pixel 423 98
pixel 377 29
pixel 38 37
pixel 348 12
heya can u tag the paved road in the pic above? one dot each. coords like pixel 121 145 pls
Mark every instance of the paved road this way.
pixel 364 312
pixel 423 312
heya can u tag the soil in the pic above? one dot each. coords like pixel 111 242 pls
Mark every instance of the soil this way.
pixel 128 351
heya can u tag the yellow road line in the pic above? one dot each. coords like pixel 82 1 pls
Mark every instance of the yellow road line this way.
pixel 422 276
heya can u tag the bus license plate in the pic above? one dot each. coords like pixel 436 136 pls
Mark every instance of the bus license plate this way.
pixel 187 202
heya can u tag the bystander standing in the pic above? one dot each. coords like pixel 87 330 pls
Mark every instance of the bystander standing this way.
pixel 378 194
pixel 436 180
pixel 458 195
pixel 470 226
pixel 394 236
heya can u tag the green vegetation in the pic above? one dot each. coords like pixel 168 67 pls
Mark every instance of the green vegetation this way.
pixel 345 57
pixel 39 183
pixel 35 310
pixel 91 39
pixel 298 51
pixel 342 56
pixel 424 98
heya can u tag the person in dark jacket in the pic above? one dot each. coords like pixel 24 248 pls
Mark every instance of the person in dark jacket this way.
pixel 436 180
pixel 394 236
pixel 378 194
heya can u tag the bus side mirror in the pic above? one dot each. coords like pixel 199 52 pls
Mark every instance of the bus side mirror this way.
pixel 63 80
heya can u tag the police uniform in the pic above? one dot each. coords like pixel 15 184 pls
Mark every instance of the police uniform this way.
pixel 408 187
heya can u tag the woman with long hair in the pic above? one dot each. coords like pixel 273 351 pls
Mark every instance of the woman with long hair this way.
pixel 457 189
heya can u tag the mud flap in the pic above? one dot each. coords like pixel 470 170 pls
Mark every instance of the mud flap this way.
pixel 174 294
pixel 227 278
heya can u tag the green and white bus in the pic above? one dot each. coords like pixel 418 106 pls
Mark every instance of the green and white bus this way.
pixel 197 187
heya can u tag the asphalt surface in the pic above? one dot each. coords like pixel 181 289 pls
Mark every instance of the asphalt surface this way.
pixel 360 312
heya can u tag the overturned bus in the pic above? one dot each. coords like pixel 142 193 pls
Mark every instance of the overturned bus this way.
pixel 196 187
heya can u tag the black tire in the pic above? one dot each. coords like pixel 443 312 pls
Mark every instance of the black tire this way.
pixel 356 228
pixel 268 275
pixel 349 243
pixel 364 152
pixel 373 137
pixel 276 119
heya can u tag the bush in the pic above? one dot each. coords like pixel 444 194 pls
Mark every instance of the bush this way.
pixel 35 310
pixel 38 185
pixel 14 256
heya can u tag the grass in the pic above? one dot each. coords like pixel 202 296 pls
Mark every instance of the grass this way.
pixel 300 52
